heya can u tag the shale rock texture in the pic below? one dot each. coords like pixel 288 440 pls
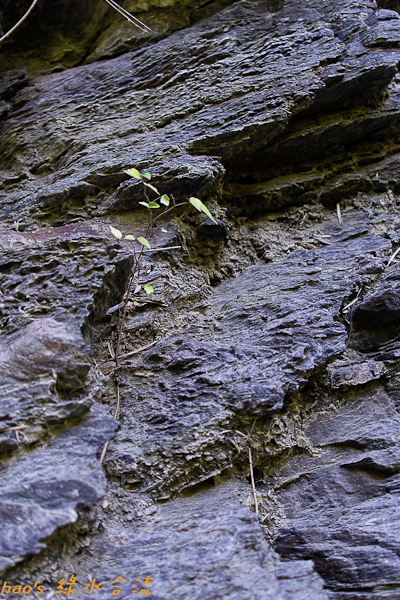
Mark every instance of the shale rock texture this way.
pixel 265 364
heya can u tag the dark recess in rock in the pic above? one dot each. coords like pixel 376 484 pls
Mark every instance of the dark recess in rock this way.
pixel 209 228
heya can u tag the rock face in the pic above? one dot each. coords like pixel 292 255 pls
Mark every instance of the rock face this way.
pixel 212 528
pixel 269 348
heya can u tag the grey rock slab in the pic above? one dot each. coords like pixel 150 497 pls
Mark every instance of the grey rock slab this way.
pixel 339 506
pixel 355 420
pixel 11 82
pixel 375 318
pixel 54 284
pixel 41 490
pixel 384 30
pixel 344 374
pixel 43 369
pixel 256 343
pixel 226 87
pixel 204 546
pixel 309 141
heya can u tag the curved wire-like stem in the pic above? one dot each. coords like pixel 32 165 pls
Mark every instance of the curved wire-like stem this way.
pixel 112 3
pixel 30 9
pixel 129 17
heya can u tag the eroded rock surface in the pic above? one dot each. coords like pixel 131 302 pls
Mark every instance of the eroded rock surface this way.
pixel 255 344
pixel 340 504
pixel 41 490
pixel 272 336
pixel 218 551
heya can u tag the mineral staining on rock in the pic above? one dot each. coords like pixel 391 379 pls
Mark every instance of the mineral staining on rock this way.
pixel 278 325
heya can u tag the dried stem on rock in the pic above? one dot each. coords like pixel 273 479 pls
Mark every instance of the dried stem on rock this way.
pixel 116 415
pixel 252 482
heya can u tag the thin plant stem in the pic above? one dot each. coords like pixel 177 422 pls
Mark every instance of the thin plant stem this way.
pixel 28 12
pixel 129 17
pixel 116 416
pixel 128 292
pixel 168 209
pixel 253 485
pixel 136 271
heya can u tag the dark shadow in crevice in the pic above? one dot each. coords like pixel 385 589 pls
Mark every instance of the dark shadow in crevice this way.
pixel 196 488
pixel 389 4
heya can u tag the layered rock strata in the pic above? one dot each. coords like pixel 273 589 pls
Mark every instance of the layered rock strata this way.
pixel 274 331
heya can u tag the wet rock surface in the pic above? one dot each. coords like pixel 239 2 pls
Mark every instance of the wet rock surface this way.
pixel 270 344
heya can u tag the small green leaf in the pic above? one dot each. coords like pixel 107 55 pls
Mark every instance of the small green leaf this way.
pixel 164 199
pixel 116 232
pixel 154 205
pixel 151 187
pixel 146 204
pixel 148 289
pixel 143 241
pixel 201 207
pixel 133 173
pixel 147 175
pixel 130 237
pixel 136 303
pixel 164 230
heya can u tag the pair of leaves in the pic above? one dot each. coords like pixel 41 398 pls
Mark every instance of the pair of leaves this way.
pixel 118 234
pixel 142 176
pixel 147 288
pixel 136 175
pixel 150 204
pixel 164 199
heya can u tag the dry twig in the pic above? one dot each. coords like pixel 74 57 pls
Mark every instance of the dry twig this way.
pixel 129 17
pixel 110 350
pixel 346 308
pixel 246 439
pixel 339 213
pixel 161 249
pixel 391 259
pixel 138 350
pixel 252 482
pixel 116 416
